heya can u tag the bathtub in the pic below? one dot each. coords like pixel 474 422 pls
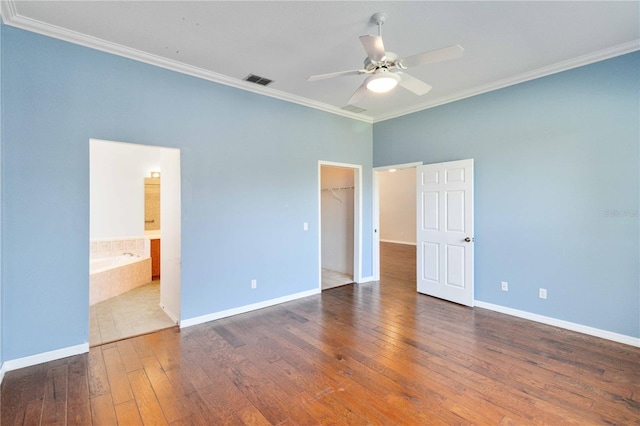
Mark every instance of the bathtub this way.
pixel 114 275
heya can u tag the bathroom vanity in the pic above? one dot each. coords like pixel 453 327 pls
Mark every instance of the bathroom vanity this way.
pixel 155 258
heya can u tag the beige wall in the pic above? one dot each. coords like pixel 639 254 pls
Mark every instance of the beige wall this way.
pixel 398 205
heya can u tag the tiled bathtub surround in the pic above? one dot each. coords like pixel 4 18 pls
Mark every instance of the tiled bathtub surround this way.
pixel 117 247
pixel 133 272
pixel 112 282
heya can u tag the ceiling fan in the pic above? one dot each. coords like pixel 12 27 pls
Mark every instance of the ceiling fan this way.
pixel 385 69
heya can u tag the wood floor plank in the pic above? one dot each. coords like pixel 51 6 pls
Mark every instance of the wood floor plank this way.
pixel 201 414
pixel 165 345
pixel 54 409
pixel 228 336
pixel 145 399
pixel 97 374
pixel 224 387
pixel 120 390
pixel 127 413
pixel 17 393
pixel 307 410
pixel 170 398
pixel 261 391
pixel 32 414
pixel 78 406
pixel 130 358
pixel 251 416
pixel 102 410
pixel 376 353
pixel 312 372
pixel 141 346
pixel 218 408
pixel 192 370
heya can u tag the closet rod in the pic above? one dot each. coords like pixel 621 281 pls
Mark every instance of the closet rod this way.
pixel 338 188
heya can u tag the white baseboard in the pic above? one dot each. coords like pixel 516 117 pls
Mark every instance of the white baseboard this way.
pixel 247 308
pixel 1 372
pixel 364 280
pixel 398 242
pixel 28 361
pixel 584 329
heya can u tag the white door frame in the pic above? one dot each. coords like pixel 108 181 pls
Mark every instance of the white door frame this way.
pixel 357 218
pixel 376 212
pixel 170 233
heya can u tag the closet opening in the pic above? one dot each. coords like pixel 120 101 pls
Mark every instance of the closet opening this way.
pixel 339 225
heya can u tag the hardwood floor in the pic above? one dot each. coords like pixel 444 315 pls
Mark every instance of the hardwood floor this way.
pixel 376 353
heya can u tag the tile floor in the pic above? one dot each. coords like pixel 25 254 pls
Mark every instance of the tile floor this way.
pixel 129 314
pixel 331 279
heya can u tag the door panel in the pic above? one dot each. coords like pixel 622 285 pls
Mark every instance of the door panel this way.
pixel 455 211
pixel 431 257
pixel 455 265
pixel 445 223
pixel 430 203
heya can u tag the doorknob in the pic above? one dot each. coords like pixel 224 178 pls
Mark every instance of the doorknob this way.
pixel 468 239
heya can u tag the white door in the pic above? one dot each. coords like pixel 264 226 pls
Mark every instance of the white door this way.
pixel 170 231
pixel 445 230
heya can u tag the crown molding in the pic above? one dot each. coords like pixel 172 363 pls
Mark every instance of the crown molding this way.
pixel 12 18
pixel 580 61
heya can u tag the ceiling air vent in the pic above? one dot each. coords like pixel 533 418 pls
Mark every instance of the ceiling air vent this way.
pixel 353 108
pixel 252 78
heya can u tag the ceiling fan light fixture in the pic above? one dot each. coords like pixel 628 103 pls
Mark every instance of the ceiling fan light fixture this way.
pixel 382 82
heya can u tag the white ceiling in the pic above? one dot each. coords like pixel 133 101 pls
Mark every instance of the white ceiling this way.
pixel 505 42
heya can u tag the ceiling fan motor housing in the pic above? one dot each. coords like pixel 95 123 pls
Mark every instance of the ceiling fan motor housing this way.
pixel 389 62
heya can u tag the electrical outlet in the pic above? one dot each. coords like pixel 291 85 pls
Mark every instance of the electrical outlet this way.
pixel 254 283
pixel 542 293
pixel 305 226
pixel 504 286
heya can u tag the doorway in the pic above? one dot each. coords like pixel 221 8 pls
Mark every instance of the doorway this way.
pixel 124 299
pixel 443 215
pixel 339 218
pixel 394 215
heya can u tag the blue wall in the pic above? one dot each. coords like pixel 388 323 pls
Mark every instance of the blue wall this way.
pixel 249 180
pixel 556 188
pixel 557 185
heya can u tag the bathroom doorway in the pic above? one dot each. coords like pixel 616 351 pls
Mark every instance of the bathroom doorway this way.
pixel 125 300
pixel 339 224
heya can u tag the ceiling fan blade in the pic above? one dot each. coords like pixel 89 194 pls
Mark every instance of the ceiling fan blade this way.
pixel 438 55
pixel 414 85
pixel 374 47
pixel 335 74
pixel 358 95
